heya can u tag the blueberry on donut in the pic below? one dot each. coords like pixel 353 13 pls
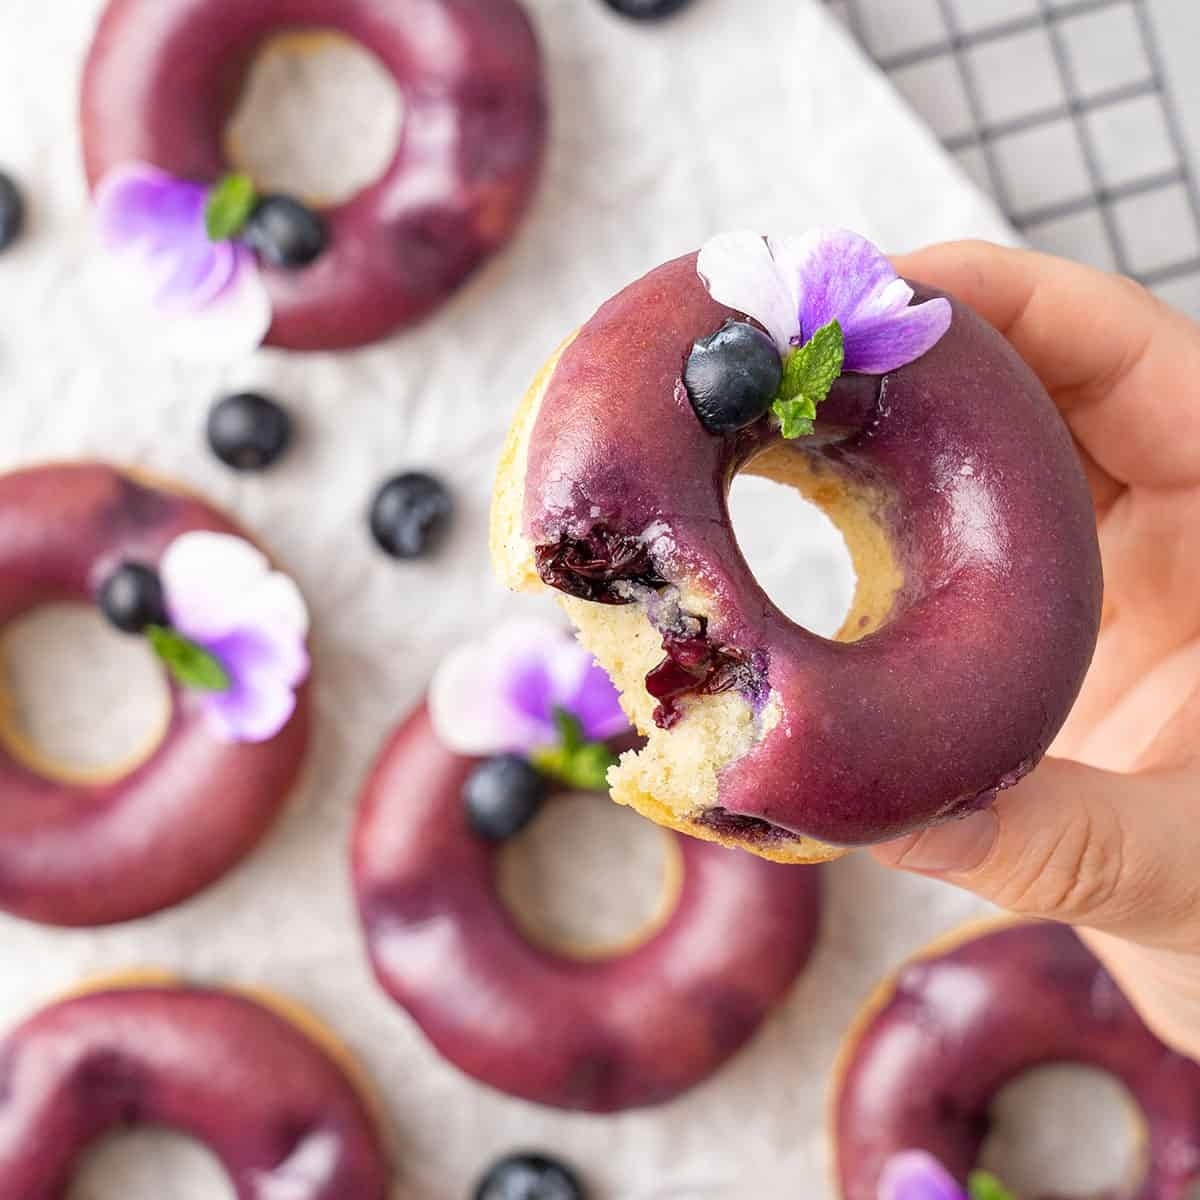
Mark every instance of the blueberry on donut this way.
pixel 935 1046
pixel 928 442
pixel 227 266
pixel 94 847
pixel 596 1029
pixel 271 1098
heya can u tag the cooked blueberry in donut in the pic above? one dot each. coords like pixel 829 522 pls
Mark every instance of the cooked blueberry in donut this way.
pixel 248 431
pixel 502 796
pixel 732 376
pixel 410 513
pixel 529 1177
pixel 605 566
pixel 132 598
pixel 284 232
pixel 647 10
pixel 12 211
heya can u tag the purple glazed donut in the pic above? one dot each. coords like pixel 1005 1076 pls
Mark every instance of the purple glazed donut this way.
pixel 276 1108
pixel 164 76
pixel 962 501
pixel 963 1019
pixel 91 852
pixel 606 1034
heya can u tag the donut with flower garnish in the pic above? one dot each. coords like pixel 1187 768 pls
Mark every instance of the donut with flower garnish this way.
pixel 224 268
pixel 927 441
pixel 509 722
pixel 260 1082
pixel 934 1046
pixel 94 847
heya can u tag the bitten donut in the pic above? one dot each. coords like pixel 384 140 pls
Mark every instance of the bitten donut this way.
pixel 276 1107
pixel 935 451
pixel 632 1027
pixel 79 848
pixel 931 1051
pixel 161 83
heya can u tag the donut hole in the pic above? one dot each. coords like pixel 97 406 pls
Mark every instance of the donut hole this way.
pixel 588 879
pixel 319 117
pixel 82 703
pixel 1066 1130
pixel 797 554
pixel 149 1163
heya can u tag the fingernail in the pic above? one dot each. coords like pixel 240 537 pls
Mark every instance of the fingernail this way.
pixel 957 846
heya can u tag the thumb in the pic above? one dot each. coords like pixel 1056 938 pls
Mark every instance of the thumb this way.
pixel 1115 853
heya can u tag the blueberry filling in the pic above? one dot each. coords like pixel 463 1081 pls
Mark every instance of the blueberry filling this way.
pixel 694 666
pixel 596 566
pixel 745 829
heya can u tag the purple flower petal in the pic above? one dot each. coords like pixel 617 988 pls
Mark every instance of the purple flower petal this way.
pixel 888 343
pixel 499 694
pixel 740 272
pixel 916 1175
pixel 265 670
pixel 138 205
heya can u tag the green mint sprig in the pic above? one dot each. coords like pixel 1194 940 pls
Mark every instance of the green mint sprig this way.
pixel 189 664
pixel 809 372
pixel 229 206
pixel 574 762
pixel 985 1186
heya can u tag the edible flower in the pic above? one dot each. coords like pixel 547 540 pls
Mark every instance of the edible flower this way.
pixel 529 688
pixel 916 1175
pixel 236 634
pixel 173 247
pixel 832 303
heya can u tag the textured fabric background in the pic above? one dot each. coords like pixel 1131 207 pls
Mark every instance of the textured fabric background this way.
pixel 736 114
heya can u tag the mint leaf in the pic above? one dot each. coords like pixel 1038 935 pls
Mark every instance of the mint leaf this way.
pixel 190 665
pixel 229 206
pixel 808 374
pixel 985 1186
pixel 575 762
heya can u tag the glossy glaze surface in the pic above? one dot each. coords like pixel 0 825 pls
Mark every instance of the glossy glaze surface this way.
pixel 959 1025
pixel 275 1109
pixel 163 77
pixel 617 1033
pixel 978 488
pixel 74 854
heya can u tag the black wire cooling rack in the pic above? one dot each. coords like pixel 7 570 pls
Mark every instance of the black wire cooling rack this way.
pixel 1063 111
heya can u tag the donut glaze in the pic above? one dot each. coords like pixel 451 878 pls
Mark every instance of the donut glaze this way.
pixel 954 689
pixel 277 1111
pixel 163 78
pixel 958 1024
pixel 94 853
pixel 601 1035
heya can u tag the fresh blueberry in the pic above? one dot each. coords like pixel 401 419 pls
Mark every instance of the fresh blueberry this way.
pixel 132 598
pixel 732 376
pixel 12 211
pixel 284 232
pixel 410 514
pixel 248 431
pixel 529 1177
pixel 647 10
pixel 502 795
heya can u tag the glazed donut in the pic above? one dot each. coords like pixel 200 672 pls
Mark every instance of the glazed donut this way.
pixel 632 1029
pixel 162 80
pixel 931 1051
pixel 275 1105
pixel 79 849
pixel 958 491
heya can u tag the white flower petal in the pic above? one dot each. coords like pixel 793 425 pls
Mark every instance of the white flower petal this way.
pixel 277 602
pixel 466 703
pixel 207 577
pixel 740 272
pixel 233 325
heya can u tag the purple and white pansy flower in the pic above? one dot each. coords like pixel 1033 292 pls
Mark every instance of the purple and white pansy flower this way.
pixel 917 1175
pixel 830 301
pixel 172 250
pixel 529 688
pixel 236 634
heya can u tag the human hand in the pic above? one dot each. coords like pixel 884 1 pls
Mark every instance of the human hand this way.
pixel 1105 834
